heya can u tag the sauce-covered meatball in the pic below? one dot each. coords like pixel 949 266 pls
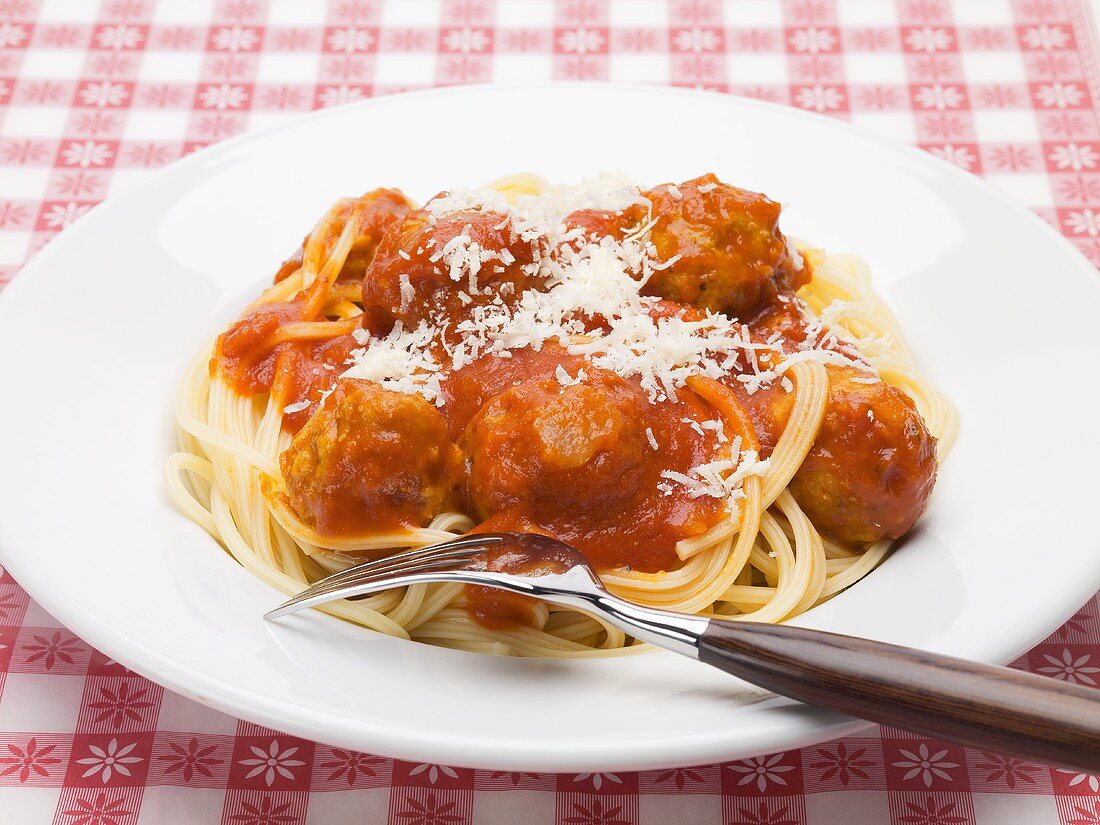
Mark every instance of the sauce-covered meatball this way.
pixel 371 460
pixel 726 251
pixel 601 223
pixel 551 447
pixel 375 211
pixel 465 391
pixel 729 253
pixel 585 462
pixel 872 467
pixel 445 264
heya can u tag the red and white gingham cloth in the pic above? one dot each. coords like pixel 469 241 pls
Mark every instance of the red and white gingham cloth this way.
pixel 94 96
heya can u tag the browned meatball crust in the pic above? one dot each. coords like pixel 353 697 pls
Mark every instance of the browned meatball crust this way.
pixel 372 460
pixel 554 448
pixel 729 253
pixel 723 246
pixel 872 466
pixel 422 267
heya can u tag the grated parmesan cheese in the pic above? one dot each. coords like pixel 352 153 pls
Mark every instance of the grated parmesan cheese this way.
pixel 695 425
pixel 407 293
pixel 717 427
pixel 563 376
pixel 722 478
pixel 297 406
pixel 401 361
pixel 796 256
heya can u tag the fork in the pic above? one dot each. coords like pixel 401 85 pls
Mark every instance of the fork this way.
pixel 977 705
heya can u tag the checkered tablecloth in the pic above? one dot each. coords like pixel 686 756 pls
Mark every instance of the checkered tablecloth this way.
pixel 95 96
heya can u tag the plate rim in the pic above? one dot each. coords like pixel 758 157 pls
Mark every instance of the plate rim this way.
pixel 408 742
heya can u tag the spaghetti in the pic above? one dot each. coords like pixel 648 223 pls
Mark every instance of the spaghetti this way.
pixel 700 442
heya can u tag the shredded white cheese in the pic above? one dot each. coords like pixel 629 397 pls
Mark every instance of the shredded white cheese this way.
pixel 721 479
pixel 297 406
pixel 796 256
pixel 695 425
pixel 565 380
pixel 652 439
pixel 407 293
pixel 401 361
pixel 717 427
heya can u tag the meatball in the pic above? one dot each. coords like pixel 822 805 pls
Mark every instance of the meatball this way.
pixel 782 321
pixel 372 460
pixel 601 223
pixel 375 210
pixel 553 449
pixel 465 391
pixel 428 264
pixel 729 254
pixel 789 326
pixel 872 466
pixel 670 309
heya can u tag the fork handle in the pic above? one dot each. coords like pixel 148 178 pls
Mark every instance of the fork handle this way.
pixel 977 705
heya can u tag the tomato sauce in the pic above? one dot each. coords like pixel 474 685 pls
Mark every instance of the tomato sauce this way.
pixel 498 609
pixel 248 358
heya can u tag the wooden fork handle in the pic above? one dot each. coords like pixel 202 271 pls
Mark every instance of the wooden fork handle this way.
pixel 980 706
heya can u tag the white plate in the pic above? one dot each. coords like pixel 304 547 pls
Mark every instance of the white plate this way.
pixel 94 333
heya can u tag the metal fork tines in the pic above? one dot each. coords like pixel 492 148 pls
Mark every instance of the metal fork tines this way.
pixel 463 545
pixel 433 558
